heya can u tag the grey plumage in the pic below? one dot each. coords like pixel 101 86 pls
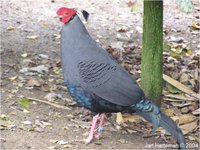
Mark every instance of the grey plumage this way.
pixel 94 69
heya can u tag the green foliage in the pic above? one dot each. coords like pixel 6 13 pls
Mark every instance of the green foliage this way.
pixel 173 89
pixel 24 102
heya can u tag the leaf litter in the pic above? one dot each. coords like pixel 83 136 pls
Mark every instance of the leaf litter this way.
pixel 178 93
pixel 178 54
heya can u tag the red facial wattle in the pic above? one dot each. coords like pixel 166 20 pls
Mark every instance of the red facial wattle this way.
pixel 66 14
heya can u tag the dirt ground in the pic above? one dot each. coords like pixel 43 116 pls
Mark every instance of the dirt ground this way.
pixel 30 37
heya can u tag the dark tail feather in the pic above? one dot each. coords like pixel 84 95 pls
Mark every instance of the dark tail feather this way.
pixel 168 124
pixel 151 113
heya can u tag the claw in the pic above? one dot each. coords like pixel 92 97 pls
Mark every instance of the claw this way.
pixel 88 140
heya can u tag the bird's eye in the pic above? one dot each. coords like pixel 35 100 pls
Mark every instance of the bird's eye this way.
pixel 66 14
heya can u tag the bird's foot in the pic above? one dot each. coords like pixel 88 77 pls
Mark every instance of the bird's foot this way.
pixel 93 132
pixel 99 132
pixel 88 140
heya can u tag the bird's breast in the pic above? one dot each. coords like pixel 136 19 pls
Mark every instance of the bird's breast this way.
pixel 82 97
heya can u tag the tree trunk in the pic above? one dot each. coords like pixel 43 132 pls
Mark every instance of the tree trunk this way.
pixel 151 71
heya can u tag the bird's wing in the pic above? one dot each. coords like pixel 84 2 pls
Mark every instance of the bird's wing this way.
pixel 110 82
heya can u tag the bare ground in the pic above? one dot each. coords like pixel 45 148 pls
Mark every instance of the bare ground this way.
pixel 49 127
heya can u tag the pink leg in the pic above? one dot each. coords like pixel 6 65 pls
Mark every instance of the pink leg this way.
pixel 100 129
pixel 92 130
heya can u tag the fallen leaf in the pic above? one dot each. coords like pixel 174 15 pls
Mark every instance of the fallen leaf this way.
pixel 7 124
pixel 46 123
pixel 44 56
pixel 175 39
pixel 169 112
pixel 182 104
pixel 192 82
pixel 53 141
pixel 57 70
pixel 39 123
pixel 45 87
pixel 61 142
pixel 25 111
pixel 184 78
pixel 180 86
pixel 24 70
pixel 179 97
pixel 50 96
pixel 51 80
pixel 121 29
pixel 166 46
pixel 116 45
pixel 4 117
pixel 185 110
pixel 130 4
pixel 66 128
pixel 131 131
pixel 13 113
pixel 2 139
pixel 67 146
pixel 119 118
pixel 27 122
pixel 122 39
pixel 192 138
pixel 122 141
pixel 184 119
pixel 24 55
pixel 186 128
pixel 196 26
pixel 97 143
pixel 13 78
pixel 33 82
pixel 194 106
pixel 45 25
pixel 135 5
pixel 172 89
pixel 52 147
pixel 56 36
pixel 132 118
pixel 39 69
pixel 139 29
pixel 10 28
pixel 14 91
pixel 118 127
pixel 196 112
pixel 176 53
pixel 32 37
pixel 57 115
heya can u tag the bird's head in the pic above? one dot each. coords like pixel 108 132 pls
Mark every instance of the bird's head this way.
pixel 67 14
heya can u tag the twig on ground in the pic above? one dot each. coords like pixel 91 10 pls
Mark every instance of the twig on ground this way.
pixel 49 103
pixel 180 98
